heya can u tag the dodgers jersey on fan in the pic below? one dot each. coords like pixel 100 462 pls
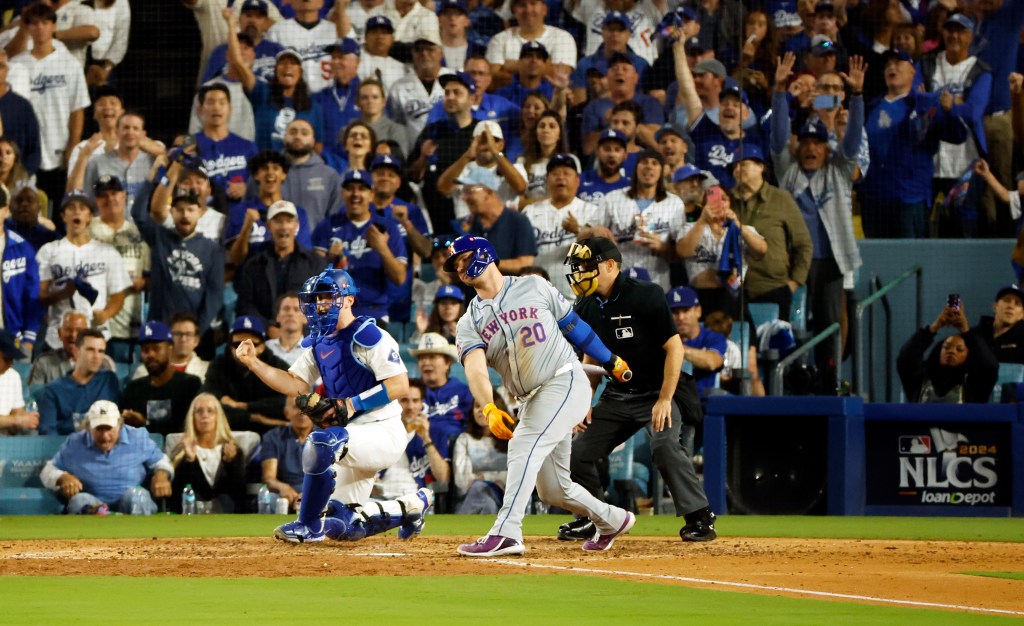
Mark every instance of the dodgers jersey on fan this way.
pixel 553 241
pixel 663 218
pixel 409 103
pixel 310 44
pixel 518 331
pixel 226 160
pixel 593 188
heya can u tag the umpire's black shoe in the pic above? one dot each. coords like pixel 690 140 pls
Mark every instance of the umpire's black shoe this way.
pixel 700 526
pixel 579 529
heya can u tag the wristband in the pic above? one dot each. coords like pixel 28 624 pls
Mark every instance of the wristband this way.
pixel 372 398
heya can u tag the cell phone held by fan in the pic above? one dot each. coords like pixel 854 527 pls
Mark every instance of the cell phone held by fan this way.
pixel 953 301
pixel 827 101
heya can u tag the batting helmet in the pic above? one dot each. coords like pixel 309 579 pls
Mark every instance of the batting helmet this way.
pixel 483 254
pixel 322 298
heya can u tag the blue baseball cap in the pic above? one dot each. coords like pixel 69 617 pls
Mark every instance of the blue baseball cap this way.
pixel 461 77
pixel 249 324
pixel 78 195
pixel 450 292
pixel 959 19
pixel 534 47
pixel 686 172
pixel 637 273
pixel 564 160
pixel 379 21
pixel 344 46
pixel 458 5
pixel 617 17
pixel 748 152
pixel 386 160
pixel 154 332
pixel 7 347
pixel 107 182
pixel 687 13
pixel 612 135
pixel 682 298
pixel 255 5
pixel 669 129
pixel 813 129
pixel 823 46
pixel 357 176
pixel 480 176
pixel 893 53
pixel 693 46
pixel 731 87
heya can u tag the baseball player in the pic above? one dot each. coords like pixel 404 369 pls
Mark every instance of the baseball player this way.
pixel 633 317
pixel 523 328
pixel 361 430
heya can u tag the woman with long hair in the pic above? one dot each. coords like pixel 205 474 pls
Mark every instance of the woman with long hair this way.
pixel 481 464
pixel 208 458
pixel 359 140
pixel 757 58
pixel 548 140
pixel 449 305
pixel 534 105
pixel 370 98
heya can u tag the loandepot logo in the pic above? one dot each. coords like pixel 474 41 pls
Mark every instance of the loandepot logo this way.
pixel 943 463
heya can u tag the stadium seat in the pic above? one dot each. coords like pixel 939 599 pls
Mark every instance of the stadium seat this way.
pixel 762 312
pixel 21 460
pixel 1010 374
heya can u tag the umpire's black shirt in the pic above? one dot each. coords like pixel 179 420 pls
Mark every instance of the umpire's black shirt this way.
pixel 635 322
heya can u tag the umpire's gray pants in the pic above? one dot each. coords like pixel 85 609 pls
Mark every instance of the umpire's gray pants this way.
pixel 616 417
pixel 538 455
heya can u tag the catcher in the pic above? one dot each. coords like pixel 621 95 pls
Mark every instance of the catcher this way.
pixel 357 414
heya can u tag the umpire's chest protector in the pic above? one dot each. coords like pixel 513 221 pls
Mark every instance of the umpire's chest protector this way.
pixel 343 374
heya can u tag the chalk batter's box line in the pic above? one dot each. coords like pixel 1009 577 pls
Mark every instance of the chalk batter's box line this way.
pixel 725 583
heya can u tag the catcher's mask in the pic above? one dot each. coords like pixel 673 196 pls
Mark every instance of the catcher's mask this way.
pixel 583 259
pixel 322 297
pixel 481 249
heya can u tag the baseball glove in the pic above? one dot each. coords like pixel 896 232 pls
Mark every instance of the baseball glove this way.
pixel 324 412
pixel 501 423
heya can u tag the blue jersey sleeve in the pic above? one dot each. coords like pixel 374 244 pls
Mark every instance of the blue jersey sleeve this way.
pixel 305 235
pixel 322 236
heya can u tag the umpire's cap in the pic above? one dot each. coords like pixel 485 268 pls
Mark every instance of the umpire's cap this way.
pixel 593 250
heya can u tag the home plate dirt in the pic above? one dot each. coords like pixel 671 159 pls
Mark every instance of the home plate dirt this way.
pixel 909 573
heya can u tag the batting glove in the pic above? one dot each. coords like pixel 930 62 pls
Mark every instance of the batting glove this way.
pixel 501 423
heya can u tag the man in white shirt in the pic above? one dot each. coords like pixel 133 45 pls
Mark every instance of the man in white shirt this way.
pixel 412 21
pixel 290 331
pixel 58 95
pixel 453 19
pixel 309 36
pixel 377 62
pixel 504 49
pixel 410 101
pixel 643 16
pixel 360 12
pixel 127 163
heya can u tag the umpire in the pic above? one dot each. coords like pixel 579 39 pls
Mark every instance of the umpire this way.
pixel 632 318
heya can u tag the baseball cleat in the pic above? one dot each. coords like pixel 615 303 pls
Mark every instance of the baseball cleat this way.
pixel 414 526
pixel 579 529
pixel 604 542
pixel 492 545
pixel 700 526
pixel 297 532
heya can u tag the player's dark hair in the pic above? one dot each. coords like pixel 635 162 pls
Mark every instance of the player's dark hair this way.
pixel 38 12
pixel 262 159
pixel 205 89
pixel 85 333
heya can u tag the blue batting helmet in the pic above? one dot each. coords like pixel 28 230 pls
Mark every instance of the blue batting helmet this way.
pixel 483 254
pixel 335 285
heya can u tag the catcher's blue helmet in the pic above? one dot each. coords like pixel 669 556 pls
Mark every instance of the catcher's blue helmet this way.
pixel 335 284
pixel 483 254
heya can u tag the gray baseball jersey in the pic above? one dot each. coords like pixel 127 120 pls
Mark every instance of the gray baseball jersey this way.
pixel 519 332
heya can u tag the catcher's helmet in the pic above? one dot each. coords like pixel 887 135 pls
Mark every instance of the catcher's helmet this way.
pixel 322 297
pixel 482 250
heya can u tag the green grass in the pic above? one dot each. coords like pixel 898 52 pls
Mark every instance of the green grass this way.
pixel 1010 575
pixel 910 528
pixel 488 600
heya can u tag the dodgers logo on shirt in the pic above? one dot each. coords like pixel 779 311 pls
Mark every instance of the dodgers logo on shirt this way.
pixel 13 267
pixel 43 82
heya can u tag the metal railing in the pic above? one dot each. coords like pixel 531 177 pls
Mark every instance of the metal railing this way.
pixel 837 347
pixel 863 352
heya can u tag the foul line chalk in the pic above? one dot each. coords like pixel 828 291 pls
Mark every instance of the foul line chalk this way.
pixel 803 592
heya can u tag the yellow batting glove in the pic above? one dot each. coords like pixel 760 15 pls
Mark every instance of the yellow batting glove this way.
pixel 619 370
pixel 500 422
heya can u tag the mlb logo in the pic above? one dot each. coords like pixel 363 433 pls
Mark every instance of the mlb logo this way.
pixel 624 333
pixel 916 444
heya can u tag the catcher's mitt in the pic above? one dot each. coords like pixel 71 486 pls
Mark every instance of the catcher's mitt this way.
pixel 324 412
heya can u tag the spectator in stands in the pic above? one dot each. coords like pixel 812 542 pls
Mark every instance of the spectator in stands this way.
pixel 453 24
pixel 508 230
pixel 184 341
pixel 79 273
pixel 671 143
pixel 25 220
pixel 961 369
pixel 688 184
pixel 278 269
pixel 449 305
pixel 637 17
pixel 371 109
pixel 107 109
pixel 194 179
pixel 1003 331
pixel 376 64
pixel 13 416
pixel 627 118
pixel 398 479
pixel 485 106
pixel 13 174
pixel 708 78
pixel 481 464
pixel 291 329
pixel 622 87
pixel 609 176
pixel 95 470
pixel 448 401
pixel 684 24
pixel 337 99
pixel 65 401
pixel 22 312
pixel 113 17
pixel 615 31
pixel 705 349
pixel 281 455
pixel 160 400
pixel 246 231
pixel 224 154
pixel 534 69
pixel 309 36
pixel 128 162
pixel 367 244
pixel 644 218
pixel 21 127
pixel 248 402
pixel 310 183
pixel 411 97
pixel 757 57
pixel 504 48
pixel 558 219
pixel 412 21
pixel 733 364
pixel 357 142
pixel 242 121
pixel 213 30
pixel 208 459
pixel 822 57
pixel 60 107
pixel 776 217
pixel 253 23
pixel 547 141
pixel 702 244
pixel 486 158
pixel 534 105
pixel 52 364
pixel 423 292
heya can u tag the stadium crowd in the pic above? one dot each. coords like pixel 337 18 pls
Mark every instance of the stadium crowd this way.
pixel 734 151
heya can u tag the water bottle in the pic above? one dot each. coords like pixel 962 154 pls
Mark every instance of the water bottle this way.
pixel 263 500
pixel 138 501
pixel 188 501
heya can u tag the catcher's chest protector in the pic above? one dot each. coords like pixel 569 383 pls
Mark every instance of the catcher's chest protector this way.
pixel 343 375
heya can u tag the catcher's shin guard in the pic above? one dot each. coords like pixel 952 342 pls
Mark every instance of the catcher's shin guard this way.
pixel 352 523
pixel 322 450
